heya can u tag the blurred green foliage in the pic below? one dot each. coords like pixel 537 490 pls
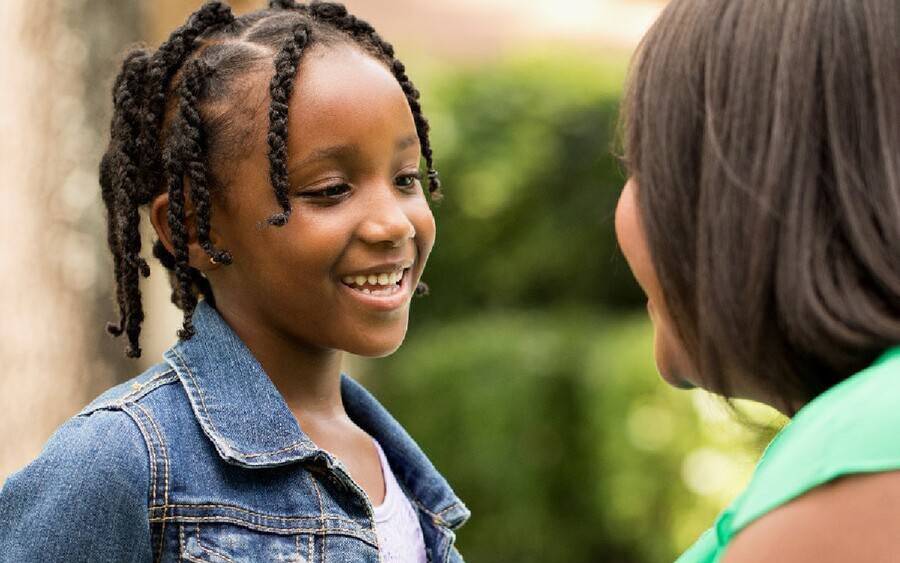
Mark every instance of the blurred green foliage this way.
pixel 528 375
pixel 525 155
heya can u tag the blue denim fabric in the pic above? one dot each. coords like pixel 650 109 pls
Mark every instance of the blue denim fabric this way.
pixel 200 459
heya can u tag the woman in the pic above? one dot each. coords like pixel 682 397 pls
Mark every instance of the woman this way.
pixel 762 219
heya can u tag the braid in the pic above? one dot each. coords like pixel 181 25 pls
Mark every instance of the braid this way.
pixel 119 181
pixel 184 155
pixel 286 5
pixel 422 125
pixel 130 168
pixel 200 282
pixel 166 62
pixel 280 90
pixel 194 146
pixel 360 30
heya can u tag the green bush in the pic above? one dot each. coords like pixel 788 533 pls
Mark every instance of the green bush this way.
pixel 525 154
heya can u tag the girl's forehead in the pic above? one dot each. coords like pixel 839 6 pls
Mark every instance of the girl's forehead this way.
pixel 345 92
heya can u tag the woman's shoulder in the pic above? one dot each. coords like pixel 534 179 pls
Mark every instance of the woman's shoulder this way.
pixel 848 429
pixel 843 440
pixel 849 519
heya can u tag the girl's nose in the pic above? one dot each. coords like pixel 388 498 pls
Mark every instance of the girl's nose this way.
pixel 386 222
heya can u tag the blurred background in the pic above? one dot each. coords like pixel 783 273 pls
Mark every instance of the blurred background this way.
pixel 527 375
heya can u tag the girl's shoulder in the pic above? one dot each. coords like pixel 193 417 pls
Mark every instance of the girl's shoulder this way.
pixel 132 390
pixel 107 438
pixel 86 495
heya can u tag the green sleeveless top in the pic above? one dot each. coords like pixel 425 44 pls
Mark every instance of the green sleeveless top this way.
pixel 851 428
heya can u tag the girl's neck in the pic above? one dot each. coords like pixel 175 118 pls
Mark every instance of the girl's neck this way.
pixel 308 379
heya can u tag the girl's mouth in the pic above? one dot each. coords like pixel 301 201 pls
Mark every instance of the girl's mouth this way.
pixel 384 291
pixel 385 283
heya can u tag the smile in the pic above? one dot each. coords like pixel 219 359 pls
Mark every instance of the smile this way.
pixel 382 291
pixel 385 283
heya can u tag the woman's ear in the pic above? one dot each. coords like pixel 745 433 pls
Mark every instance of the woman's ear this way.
pixel 159 217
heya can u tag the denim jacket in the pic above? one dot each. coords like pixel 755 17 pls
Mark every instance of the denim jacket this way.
pixel 200 459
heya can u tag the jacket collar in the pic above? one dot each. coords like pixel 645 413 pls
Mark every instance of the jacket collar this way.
pixel 248 422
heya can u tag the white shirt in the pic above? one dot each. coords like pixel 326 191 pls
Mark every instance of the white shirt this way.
pixel 396 522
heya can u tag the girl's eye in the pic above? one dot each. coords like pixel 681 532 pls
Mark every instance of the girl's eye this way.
pixel 408 181
pixel 330 192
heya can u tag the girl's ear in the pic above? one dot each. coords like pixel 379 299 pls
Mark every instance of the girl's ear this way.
pixel 159 217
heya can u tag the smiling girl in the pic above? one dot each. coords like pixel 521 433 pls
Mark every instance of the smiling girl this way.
pixel 277 154
pixel 762 219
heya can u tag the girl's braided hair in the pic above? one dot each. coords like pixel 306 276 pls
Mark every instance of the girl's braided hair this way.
pixel 173 118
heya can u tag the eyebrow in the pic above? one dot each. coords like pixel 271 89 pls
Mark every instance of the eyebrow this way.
pixel 406 142
pixel 335 152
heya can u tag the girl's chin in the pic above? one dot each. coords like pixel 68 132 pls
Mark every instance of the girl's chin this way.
pixel 375 349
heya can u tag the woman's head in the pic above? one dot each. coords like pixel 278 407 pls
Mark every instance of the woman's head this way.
pixel 278 154
pixel 764 154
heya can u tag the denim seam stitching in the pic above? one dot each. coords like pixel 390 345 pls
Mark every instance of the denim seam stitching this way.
pixel 162 449
pixel 151 446
pixel 451 507
pixel 436 518
pixel 117 404
pixel 211 551
pixel 182 552
pixel 208 419
pixel 151 384
pixel 315 485
pixel 366 537
pixel 234 519
pixel 151 450
pixel 323 516
pixel 311 548
pixel 294 446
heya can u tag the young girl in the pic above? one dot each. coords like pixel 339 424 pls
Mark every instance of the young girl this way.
pixel 762 218
pixel 277 154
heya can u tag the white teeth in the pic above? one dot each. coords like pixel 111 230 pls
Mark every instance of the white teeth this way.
pixel 366 291
pixel 383 279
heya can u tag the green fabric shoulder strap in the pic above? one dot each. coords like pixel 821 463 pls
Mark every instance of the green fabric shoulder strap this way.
pixel 851 428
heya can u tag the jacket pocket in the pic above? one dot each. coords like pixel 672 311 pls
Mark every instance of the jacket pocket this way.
pixel 215 542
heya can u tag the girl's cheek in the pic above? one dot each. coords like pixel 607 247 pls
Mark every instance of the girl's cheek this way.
pixel 423 221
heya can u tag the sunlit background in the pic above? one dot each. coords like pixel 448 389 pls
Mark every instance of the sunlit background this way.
pixel 527 374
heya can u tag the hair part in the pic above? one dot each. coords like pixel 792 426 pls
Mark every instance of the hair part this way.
pixel 764 143
pixel 174 122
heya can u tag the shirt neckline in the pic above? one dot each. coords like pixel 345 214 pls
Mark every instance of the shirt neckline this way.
pixel 388 507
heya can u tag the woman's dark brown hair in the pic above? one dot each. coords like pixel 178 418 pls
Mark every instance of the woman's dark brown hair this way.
pixel 181 113
pixel 764 138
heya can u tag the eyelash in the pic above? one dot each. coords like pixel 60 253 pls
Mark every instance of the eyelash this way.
pixel 416 178
pixel 328 192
